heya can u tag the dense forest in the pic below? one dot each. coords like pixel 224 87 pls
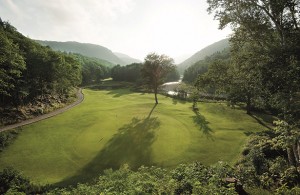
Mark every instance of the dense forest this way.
pixel 203 53
pixel 29 70
pixel 34 79
pixel 132 73
pixel 262 72
pixel 191 73
pixel 93 69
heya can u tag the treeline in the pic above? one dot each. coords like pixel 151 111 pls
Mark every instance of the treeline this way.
pixel 29 70
pixel 93 69
pixel 129 73
pixel 132 73
pixel 191 73
pixel 264 67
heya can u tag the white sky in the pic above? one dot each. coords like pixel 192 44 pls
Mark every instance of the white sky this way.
pixel 178 28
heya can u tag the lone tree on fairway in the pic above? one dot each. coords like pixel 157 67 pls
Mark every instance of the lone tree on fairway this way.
pixel 155 69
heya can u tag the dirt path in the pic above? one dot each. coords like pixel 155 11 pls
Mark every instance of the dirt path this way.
pixel 80 98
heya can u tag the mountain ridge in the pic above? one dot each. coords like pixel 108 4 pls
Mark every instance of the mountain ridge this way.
pixel 201 54
pixel 126 58
pixel 86 49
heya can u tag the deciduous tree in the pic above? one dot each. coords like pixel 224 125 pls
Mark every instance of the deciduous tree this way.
pixel 11 66
pixel 155 69
pixel 272 27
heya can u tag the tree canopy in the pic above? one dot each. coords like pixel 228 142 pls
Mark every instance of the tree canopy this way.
pixel 265 50
pixel 29 70
pixel 264 69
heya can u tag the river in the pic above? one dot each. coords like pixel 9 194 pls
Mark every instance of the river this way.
pixel 170 87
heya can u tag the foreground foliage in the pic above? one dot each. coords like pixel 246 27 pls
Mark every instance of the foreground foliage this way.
pixel 268 161
pixel 184 179
pixel 192 178
pixel 13 182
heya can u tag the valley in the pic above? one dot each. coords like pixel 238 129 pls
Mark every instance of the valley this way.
pixel 78 117
pixel 116 127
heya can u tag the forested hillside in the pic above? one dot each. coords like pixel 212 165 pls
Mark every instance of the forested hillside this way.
pixel 93 69
pixel 86 49
pixel 201 67
pixel 34 79
pixel 127 59
pixel 29 70
pixel 200 55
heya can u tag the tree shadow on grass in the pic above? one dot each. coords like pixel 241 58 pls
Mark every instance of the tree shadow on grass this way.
pixel 176 100
pixel 201 121
pixel 264 119
pixel 116 91
pixel 119 92
pixel 130 145
pixel 248 133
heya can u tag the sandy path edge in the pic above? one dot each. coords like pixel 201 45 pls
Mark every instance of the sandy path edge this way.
pixel 80 98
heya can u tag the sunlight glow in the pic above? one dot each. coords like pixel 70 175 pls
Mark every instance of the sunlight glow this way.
pixel 135 27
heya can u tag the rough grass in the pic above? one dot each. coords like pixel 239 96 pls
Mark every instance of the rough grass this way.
pixel 114 127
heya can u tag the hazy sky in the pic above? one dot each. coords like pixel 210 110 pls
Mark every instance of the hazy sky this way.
pixel 178 28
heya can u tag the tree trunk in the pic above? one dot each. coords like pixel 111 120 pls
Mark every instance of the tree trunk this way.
pixel 291 156
pixel 248 104
pixel 155 95
pixel 296 153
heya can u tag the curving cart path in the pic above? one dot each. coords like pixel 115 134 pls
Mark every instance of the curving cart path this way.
pixel 80 98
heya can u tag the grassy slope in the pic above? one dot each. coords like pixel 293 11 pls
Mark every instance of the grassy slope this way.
pixel 111 128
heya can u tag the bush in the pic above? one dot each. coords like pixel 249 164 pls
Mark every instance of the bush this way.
pixel 7 137
pixel 184 179
pixel 13 180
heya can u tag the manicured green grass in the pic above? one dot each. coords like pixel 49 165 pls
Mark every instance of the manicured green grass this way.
pixel 114 127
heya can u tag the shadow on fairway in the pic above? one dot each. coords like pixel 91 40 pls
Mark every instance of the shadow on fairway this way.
pixel 119 92
pixel 263 119
pixel 176 101
pixel 131 145
pixel 203 125
pixel 116 91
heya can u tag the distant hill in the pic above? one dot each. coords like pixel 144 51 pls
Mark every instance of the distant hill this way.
pixel 86 49
pixel 192 72
pixel 200 55
pixel 127 59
